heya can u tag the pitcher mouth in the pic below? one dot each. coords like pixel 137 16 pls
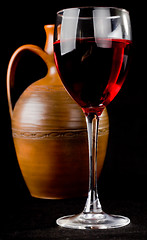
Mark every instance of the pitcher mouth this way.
pixel 49 25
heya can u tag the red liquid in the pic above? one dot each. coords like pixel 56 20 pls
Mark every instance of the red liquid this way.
pixel 92 71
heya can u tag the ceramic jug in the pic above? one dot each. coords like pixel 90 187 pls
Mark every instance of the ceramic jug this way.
pixel 49 132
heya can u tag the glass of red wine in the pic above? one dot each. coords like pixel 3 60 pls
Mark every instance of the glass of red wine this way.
pixel 92 47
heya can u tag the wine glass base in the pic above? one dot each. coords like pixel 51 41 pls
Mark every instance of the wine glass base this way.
pixel 93 221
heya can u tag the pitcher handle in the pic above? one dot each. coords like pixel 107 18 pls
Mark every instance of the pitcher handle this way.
pixel 13 64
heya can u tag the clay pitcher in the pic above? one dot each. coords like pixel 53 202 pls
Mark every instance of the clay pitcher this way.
pixel 49 132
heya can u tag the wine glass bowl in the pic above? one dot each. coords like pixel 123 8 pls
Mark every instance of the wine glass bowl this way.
pixel 92 49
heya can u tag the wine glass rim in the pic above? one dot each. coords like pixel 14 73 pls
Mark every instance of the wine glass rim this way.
pixel 59 13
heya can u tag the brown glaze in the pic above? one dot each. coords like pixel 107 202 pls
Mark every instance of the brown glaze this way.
pixel 49 132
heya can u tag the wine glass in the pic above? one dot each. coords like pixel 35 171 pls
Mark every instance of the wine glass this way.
pixel 92 48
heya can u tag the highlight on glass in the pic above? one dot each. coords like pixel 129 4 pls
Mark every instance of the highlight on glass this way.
pixel 92 51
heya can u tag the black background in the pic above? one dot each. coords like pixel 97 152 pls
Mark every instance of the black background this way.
pixel 124 175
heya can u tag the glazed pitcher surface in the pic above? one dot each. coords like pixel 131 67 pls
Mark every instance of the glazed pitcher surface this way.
pixel 49 132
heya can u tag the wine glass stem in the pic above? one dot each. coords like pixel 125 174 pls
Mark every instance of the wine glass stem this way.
pixel 92 204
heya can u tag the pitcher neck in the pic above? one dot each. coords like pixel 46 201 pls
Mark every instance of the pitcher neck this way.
pixel 49 29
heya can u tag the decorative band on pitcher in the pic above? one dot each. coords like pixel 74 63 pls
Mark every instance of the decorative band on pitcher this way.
pixel 48 134
pixel 54 134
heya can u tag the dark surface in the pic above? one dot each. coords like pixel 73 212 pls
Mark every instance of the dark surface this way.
pixel 122 185
pixel 36 219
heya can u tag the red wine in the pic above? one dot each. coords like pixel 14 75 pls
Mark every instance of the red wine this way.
pixel 92 71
